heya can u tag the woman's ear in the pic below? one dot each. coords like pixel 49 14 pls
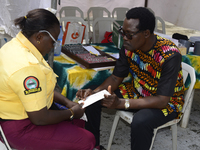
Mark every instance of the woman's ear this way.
pixel 38 37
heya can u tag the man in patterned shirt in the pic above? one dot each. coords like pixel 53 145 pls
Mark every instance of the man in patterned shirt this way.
pixel 156 91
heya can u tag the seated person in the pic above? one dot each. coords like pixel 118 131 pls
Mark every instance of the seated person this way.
pixel 28 116
pixel 156 90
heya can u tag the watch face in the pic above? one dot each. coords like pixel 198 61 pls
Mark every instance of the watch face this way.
pixel 127 104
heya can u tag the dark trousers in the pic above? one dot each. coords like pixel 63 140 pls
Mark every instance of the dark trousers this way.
pixel 142 126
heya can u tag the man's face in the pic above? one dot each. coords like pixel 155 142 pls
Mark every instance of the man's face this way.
pixel 133 38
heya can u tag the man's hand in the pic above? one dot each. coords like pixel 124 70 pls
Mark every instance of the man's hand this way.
pixel 83 93
pixel 110 101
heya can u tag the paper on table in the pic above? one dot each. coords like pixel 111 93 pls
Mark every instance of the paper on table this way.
pixel 92 50
pixel 93 98
pixel 115 55
pixel 103 68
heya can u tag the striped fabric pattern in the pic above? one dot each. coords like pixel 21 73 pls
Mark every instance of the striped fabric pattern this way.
pixel 146 68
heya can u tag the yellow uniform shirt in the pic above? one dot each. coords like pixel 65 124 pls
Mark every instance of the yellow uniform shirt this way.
pixel 26 81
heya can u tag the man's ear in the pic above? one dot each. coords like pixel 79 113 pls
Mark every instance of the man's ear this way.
pixel 147 33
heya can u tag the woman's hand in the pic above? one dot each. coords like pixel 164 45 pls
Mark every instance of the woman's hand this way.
pixel 78 110
pixel 83 93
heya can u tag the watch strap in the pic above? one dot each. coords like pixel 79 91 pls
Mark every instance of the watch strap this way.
pixel 72 116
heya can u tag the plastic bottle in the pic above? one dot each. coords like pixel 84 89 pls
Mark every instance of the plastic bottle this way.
pixel 58 47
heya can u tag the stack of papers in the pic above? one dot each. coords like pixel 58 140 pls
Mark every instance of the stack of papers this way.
pixel 92 50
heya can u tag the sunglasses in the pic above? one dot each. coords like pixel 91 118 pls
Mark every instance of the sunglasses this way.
pixel 55 44
pixel 128 35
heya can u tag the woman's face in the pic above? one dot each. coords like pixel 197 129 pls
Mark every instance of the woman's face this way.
pixel 46 42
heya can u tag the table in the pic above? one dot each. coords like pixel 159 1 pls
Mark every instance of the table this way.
pixel 72 77
pixel 194 61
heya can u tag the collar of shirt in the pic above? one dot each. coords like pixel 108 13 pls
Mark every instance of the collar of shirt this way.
pixel 31 48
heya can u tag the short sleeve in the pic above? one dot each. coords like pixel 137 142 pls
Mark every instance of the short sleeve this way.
pixel 169 75
pixel 122 66
pixel 29 83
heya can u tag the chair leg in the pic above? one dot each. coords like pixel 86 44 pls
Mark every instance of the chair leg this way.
pixel 154 135
pixel 174 136
pixel 186 115
pixel 4 139
pixel 114 126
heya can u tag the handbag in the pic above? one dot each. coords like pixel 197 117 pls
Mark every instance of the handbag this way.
pixel 74 33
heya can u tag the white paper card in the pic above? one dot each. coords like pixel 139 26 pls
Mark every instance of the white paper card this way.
pixel 84 117
pixel 103 68
pixel 115 55
pixel 93 98
pixel 92 50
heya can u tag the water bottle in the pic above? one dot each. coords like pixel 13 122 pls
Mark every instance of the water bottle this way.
pixel 58 46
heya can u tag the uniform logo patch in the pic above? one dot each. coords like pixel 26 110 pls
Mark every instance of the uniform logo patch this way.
pixel 31 85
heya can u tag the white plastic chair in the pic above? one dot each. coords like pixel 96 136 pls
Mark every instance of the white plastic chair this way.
pixel 5 140
pixel 158 20
pixel 119 13
pixel 64 21
pixel 162 22
pixel 151 10
pixel 71 11
pixel 100 26
pixel 188 96
pixel 93 13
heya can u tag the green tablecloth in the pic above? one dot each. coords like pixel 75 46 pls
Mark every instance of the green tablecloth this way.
pixel 72 77
pixel 194 61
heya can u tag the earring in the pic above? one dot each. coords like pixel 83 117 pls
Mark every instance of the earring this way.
pixel 38 42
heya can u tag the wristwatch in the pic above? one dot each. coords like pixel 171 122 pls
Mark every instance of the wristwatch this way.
pixel 72 116
pixel 127 104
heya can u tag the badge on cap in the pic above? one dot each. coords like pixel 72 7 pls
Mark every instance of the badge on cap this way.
pixel 31 85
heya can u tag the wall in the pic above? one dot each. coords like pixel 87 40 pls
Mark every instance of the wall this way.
pixel 12 9
pixel 182 13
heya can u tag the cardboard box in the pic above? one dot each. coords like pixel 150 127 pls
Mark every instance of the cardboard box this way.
pixel 116 37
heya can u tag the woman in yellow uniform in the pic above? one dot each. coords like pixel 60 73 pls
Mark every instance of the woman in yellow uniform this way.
pixel 28 115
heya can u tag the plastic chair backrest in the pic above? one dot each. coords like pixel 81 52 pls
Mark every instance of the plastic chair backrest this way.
pixel 71 11
pixel 188 70
pixel 119 13
pixel 64 20
pixel 151 10
pixel 96 12
pixel 100 26
pixel 159 19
